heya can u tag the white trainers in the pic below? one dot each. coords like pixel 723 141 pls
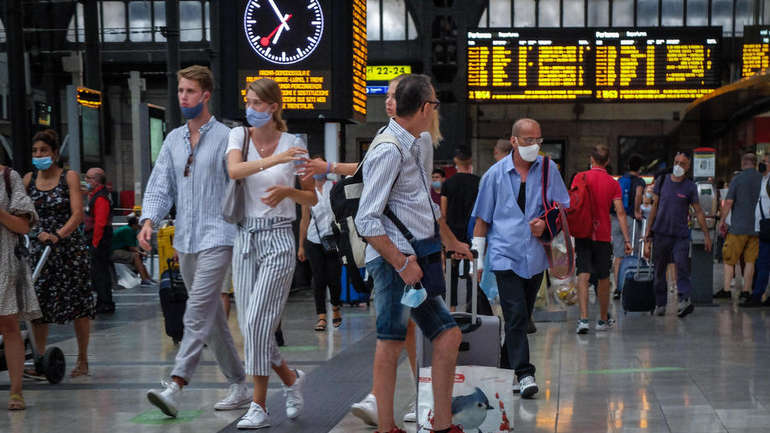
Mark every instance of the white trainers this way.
pixel 411 412
pixel 601 325
pixel 255 418
pixel 166 400
pixel 294 400
pixel 528 386
pixel 582 326
pixel 238 397
pixel 366 410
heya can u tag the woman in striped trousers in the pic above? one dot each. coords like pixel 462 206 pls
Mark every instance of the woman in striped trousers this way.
pixel 264 252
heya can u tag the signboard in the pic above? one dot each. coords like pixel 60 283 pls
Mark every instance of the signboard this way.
pixel 592 64
pixel 386 72
pixel 157 130
pixel 290 41
pixel 755 52
pixel 704 159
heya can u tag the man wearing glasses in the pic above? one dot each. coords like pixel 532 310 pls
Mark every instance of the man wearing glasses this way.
pixel 508 205
pixel 191 173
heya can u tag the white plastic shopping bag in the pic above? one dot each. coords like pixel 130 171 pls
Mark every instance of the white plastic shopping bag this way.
pixel 482 400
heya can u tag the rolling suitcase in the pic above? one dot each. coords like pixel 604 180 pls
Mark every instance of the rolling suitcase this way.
pixel 638 293
pixel 629 262
pixel 348 293
pixel 480 333
pixel 173 300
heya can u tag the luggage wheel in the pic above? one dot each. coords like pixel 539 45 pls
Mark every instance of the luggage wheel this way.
pixel 53 365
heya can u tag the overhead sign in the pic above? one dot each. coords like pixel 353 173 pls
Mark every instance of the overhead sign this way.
pixel 386 72
pixel 89 97
pixel 755 52
pixel 592 64
pixel 290 41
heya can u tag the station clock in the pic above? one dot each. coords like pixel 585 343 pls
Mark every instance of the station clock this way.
pixel 283 32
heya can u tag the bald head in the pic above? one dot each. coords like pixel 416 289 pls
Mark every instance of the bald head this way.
pixel 96 176
pixel 525 125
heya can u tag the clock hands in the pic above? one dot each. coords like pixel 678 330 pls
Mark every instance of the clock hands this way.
pixel 265 40
pixel 278 13
pixel 282 26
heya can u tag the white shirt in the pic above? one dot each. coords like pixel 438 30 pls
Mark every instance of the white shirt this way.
pixel 764 200
pixel 258 183
pixel 321 215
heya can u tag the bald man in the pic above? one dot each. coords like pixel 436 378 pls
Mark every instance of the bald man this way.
pixel 99 232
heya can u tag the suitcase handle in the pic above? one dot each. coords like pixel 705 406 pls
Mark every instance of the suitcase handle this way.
pixel 474 283
pixel 467 322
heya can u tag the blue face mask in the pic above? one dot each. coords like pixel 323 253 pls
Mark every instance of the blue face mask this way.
pixel 257 118
pixel 414 295
pixel 192 112
pixel 42 163
pixel 319 176
pixel 436 184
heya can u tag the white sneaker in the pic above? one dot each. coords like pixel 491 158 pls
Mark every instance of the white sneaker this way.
pixel 294 400
pixel 601 325
pixel 583 327
pixel 411 412
pixel 238 397
pixel 166 400
pixel 366 410
pixel 528 386
pixel 255 418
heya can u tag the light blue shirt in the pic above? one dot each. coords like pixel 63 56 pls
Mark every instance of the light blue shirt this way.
pixel 393 175
pixel 510 243
pixel 198 197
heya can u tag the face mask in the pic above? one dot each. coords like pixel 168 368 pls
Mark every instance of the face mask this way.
pixel 648 194
pixel 678 171
pixel 42 163
pixel 762 167
pixel 319 177
pixel 436 184
pixel 192 112
pixel 257 118
pixel 90 186
pixel 529 153
pixel 414 296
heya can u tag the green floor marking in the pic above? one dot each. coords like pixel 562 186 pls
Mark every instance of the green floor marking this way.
pixel 632 370
pixel 156 417
pixel 298 348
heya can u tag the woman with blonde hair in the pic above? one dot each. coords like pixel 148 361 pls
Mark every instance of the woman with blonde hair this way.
pixel 263 252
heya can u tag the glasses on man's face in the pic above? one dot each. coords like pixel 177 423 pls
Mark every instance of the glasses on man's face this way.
pixel 530 141
pixel 187 166
pixel 436 103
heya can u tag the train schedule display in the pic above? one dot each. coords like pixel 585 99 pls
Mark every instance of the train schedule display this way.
pixel 592 64
pixel 755 52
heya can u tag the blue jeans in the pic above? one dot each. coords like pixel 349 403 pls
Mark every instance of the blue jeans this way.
pixel 762 271
pixel 432 316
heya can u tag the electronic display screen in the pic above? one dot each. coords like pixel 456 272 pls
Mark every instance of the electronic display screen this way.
pixel 755 52
pixel 290 41
pixel 592 64
pixel 89 131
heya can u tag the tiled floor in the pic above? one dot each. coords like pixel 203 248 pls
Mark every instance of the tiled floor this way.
pixel 709 372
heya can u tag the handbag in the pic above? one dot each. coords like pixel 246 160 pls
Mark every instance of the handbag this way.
pixel 234 201
pixel 328 242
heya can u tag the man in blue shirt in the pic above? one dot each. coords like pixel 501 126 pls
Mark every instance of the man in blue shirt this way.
pixel 509 203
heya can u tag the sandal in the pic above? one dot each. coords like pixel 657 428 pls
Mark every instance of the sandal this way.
pixel 337 320
pixel 321 325
pixel 80 370
pixel 16 402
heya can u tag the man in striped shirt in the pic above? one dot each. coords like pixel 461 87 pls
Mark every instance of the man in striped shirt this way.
pixel 394 177
pixel 191 173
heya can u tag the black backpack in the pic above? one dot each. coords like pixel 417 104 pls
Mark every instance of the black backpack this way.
pixel 344 197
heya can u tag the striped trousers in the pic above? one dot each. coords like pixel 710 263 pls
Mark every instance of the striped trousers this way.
pixel 263 267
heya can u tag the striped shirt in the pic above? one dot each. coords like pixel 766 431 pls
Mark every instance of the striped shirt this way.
pixel 399 165
pixel 199 223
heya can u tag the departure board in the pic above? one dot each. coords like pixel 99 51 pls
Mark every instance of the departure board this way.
pixel 592 64
pixel 755 53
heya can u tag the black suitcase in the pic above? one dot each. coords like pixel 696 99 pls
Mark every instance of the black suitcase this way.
pixel 173 301
pixel 480 333
pixel 638 293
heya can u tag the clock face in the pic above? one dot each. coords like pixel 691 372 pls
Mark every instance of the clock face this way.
pixel 283 31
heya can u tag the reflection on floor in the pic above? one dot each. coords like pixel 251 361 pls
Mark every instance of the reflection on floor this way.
pixel 708 372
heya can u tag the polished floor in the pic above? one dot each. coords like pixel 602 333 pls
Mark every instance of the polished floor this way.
pixel 709 372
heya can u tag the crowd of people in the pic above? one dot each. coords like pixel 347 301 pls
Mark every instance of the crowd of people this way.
pixel 409 213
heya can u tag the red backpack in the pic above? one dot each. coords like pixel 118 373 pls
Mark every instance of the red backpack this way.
pixel 579 215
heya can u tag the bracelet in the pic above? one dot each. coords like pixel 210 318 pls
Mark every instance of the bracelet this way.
pixel 334 168
pixel 406 262
pixel 328 167
pixel 58 238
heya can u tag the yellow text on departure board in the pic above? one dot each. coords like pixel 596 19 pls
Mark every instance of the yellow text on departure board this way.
pixel 684 62
pixel 360 52
pixel 301 89
pixel 755 59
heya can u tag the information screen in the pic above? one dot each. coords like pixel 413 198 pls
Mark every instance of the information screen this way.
pixel 591 64
pixel 360 53
pixel 89 130
pixel 755 53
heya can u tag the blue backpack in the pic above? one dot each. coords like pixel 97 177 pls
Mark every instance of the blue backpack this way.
pixel 627 187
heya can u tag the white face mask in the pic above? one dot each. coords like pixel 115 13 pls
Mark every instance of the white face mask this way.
pixel 679 171
pixel 529 153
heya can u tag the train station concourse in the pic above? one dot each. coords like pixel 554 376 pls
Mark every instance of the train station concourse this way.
pixel 546 216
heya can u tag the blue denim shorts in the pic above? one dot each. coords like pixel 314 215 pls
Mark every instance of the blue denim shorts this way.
pixel 432 316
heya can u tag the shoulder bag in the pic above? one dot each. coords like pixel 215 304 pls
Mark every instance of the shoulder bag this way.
pixel 233 203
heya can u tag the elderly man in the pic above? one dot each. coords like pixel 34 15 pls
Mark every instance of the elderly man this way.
pixel 99 231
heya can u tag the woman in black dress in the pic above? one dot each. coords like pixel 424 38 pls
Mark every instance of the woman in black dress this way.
pixel 64 286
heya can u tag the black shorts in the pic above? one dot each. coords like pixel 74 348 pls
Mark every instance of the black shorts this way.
pixel 593 257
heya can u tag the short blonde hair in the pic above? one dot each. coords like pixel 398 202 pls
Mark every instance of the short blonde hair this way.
pixel 200 74
pixel 267 90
